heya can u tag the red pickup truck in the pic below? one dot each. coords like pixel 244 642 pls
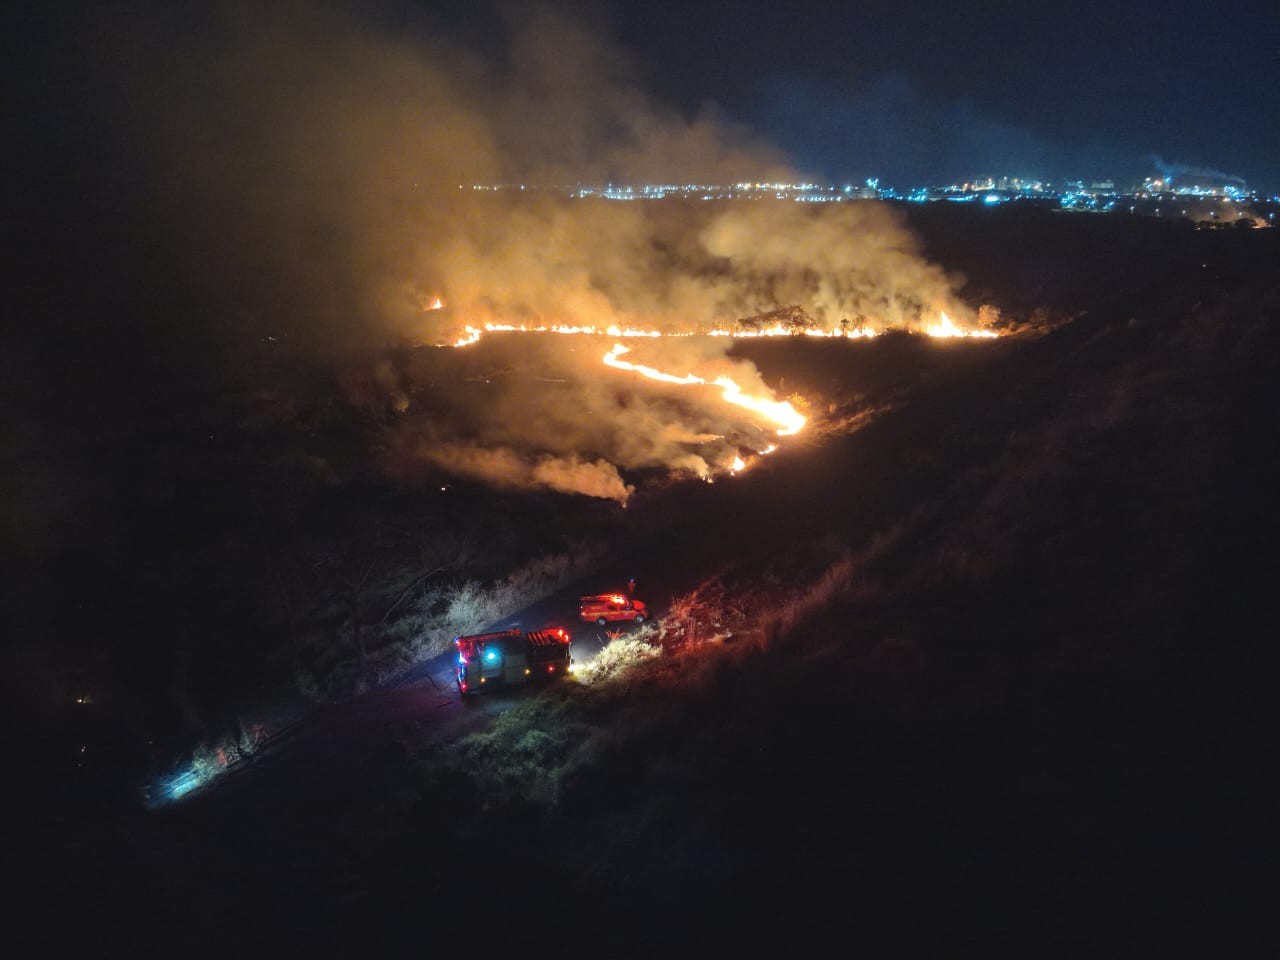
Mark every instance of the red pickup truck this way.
pixel 606 607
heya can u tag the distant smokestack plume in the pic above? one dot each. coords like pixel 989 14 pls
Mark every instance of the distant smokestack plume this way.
pixel 1181 171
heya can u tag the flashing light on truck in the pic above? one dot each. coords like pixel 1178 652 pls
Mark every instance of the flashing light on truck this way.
pixel 605 607
pixel 512 656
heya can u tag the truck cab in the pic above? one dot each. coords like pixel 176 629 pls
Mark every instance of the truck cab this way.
pixel 608 607
pixel 511 657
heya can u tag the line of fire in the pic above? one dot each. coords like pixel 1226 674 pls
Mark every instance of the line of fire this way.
pixel 781 415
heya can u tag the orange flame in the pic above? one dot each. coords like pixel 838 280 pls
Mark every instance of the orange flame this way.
pixel 778 330
pixel 945 328
pixel 789 420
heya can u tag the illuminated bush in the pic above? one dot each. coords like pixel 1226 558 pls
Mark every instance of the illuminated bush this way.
pixel 619 656
pixel 428 625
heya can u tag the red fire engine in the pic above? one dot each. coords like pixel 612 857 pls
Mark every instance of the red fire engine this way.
pixel 511 656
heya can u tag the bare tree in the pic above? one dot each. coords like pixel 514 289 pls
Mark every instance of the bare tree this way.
pixel 791 318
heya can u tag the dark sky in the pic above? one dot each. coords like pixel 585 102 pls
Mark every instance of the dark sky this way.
pixel 915 91
pixel 910 91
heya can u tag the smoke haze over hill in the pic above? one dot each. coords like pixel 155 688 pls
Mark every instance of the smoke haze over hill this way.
pixel 302 178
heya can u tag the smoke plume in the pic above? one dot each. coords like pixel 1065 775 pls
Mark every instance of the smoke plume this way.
pixel 506 468
pixel 308 175
pixel 1172 170
pixel 545 412
pixel 681 266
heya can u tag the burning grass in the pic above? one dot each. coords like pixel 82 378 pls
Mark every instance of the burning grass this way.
pixel 997 646
pixel 957 604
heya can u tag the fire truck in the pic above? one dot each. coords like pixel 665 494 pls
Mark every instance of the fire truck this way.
pixel 511 656
pixel 605 607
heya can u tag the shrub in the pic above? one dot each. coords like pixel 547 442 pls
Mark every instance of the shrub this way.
pixel 780 622
pixel 524 754
pixel 430 622
pixel 619 656
pixel 708 612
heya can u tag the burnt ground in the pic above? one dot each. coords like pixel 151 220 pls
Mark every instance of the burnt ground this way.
pixel 1026 710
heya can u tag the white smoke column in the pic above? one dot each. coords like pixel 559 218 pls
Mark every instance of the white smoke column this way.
pixel 505 468
pixel 676 266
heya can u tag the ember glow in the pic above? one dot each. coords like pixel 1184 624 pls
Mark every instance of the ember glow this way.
pixel 789 421
pixel 945 328
pixel 474 333
pixel 554 462
pixel 778 330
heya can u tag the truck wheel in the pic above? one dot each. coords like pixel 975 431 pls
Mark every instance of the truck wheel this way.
pixel 601 621
pixel 639 618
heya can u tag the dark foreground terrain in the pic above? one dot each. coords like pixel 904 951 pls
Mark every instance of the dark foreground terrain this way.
pixel 985 663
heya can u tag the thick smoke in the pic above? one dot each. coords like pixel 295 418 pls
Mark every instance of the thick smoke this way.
pixel 546 412
pixel 310 174
pixel 682 266
pixel 506 468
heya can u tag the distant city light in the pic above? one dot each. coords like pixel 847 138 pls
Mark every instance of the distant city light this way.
pixel 1096 195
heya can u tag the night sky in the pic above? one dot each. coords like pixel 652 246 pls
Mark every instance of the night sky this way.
pixel 922 92
pixel 912 92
